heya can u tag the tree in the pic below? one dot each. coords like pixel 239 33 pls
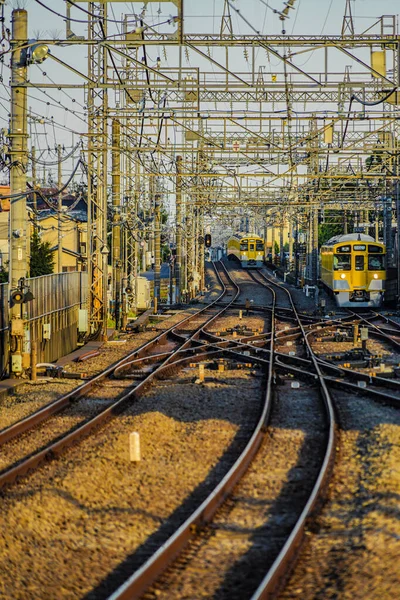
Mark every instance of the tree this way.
pixel 3 275
pixel 42 260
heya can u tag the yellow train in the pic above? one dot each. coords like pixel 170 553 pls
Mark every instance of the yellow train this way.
pixel 248 248
pixel 353 268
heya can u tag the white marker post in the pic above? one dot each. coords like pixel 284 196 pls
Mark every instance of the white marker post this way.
pixel 134 446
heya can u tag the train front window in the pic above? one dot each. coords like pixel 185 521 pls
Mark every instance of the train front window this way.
pixel 376 262
pixel 251 246
pixel 359 263
pixel 244 246
pixel 342 262
pixel 259 245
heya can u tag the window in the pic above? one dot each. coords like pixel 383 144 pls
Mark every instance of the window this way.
pixel 342 263
pixel 251 246
pixel 376 262
pixel 259 245
pixel 359 247
pixel 341 249
pixel 244 246
pixel 359 263
pixel 377 249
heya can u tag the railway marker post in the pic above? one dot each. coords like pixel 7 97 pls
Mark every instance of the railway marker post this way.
pixel 355 334
pixel 364 337
pixel 134 446
pixel 201 373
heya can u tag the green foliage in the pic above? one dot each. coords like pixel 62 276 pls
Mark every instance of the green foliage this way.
pixel 333 225
pixel 42 260
pixel 165 252
pixel 276 248
pixel 326 231
pixel 3 275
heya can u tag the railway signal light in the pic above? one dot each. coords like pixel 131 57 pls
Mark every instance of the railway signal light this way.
pixel 207 240
pixel 17 297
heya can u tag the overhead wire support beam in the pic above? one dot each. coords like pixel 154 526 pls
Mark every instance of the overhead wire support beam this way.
pixel 215 62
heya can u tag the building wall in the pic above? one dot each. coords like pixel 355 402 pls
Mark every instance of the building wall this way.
pixel 74 238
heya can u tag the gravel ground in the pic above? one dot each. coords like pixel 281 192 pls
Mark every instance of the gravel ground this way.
pixel 354 550
pixel 91 511
pixel 28 397
pixel 233 554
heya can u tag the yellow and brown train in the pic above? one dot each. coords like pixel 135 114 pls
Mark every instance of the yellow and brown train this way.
pixel 247 248
pixel 353 268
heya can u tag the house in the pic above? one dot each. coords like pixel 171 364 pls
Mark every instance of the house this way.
pixel 73 223
pixel 73 226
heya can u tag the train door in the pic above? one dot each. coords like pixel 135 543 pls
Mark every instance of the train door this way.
pixel 359 267
pixel 252 250
pixel 360 274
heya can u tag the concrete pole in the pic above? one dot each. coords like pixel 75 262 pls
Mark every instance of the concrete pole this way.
pixel 157 248
pixel 18 150
pixel 191 248
pixel 314 255
pixel 273 241
pixel 116 229
pixel 59 209
pixel 201 250
pixel 291 240
pixel 34 195
pixel 151 213
pixel 18 136
pixel 281 251
pixel 178 226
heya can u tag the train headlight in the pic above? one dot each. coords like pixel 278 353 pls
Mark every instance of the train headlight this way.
pixel 375 275
pixel 343 276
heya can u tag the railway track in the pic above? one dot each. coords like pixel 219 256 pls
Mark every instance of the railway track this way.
pixel 74 415
pixel 200 345
pixel 140 581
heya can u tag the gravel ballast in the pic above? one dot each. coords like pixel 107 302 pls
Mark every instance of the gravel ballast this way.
pixel 79 517
pixel 353 551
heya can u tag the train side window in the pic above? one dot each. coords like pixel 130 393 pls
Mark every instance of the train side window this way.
pixel 342 262
pixel 244 246
pixel 359 263
pixel 376 263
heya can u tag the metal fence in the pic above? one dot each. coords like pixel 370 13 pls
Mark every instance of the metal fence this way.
pixel 51 318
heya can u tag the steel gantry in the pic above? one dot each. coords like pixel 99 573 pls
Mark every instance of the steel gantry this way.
pixel 231 124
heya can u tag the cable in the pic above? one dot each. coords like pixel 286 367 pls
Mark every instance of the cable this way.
pixel 32 189
pixel 364 103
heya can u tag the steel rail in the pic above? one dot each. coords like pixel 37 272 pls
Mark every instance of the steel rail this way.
pixel 162 558
pixel 283 564
pixel 10 474
pixel 59 404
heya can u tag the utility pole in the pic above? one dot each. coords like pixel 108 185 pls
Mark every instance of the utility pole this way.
pixel 59 209
pixel 178 226
pixel 18 151
pixel 157 248
pixel 34 195
pixel 116 220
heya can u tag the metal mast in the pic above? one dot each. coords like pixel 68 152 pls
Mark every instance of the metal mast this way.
pixel 97 166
